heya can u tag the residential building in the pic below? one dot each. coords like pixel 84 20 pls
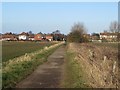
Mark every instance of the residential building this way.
pixel 49 37
pixel 109 36
pixel 38 37
pixel 23 36
pixel 8 37
pixel 31 37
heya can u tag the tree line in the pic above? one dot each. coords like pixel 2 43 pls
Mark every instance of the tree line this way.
pixel 78 32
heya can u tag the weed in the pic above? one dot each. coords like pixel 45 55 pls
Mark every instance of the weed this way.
pixel 74 75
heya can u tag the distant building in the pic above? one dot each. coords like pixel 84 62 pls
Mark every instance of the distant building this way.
pixel 49 37
pixel 38 37
pixel 8 36
pixel 31 37
pixel 23 36
pixel 109 36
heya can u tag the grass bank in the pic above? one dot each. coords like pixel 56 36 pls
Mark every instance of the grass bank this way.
pixel 74 74
pixel 16 70
pixel 92 65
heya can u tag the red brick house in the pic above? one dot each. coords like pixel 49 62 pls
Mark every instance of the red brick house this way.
pixel 38 37
pixel 9 36
pixel 49 37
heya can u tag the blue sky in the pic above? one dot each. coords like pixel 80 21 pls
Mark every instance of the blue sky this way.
pixel 47 17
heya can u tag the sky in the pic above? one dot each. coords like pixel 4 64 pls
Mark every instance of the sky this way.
pixel 60 0
pixel 47 17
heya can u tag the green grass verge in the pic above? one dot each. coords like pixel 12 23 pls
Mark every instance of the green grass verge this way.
pixel 20 71
pixel 74 74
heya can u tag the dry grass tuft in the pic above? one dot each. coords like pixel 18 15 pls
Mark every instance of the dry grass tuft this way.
pixel 100 64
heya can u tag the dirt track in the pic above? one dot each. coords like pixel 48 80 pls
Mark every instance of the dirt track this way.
pixel 48 75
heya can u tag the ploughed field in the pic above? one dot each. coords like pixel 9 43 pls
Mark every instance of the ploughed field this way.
pixel 12 50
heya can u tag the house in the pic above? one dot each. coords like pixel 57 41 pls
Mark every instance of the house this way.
pixel 31 37
pixel 109 36
pixel 49 37
pixel 38 37
pixel 23 36
pixel 8 36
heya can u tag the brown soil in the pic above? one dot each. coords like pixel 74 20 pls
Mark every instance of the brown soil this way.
pixel 47 75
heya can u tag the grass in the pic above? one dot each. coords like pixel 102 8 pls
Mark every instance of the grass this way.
pixel 74 74
pixel 76 77
pixel 21 70
pixel 12 50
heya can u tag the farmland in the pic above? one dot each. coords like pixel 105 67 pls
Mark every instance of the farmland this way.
pixel 11 50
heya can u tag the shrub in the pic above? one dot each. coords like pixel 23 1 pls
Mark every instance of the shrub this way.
pixel 76 34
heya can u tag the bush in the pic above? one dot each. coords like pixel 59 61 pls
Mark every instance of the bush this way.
pixel 76 34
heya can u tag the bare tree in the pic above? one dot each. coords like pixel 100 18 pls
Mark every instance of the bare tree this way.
pixel 114 27
pixel 76 34
pixel 79 27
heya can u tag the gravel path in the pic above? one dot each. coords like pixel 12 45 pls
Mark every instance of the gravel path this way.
pixel 47 75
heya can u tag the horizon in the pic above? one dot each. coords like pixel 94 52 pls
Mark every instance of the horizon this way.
pixel 47 17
